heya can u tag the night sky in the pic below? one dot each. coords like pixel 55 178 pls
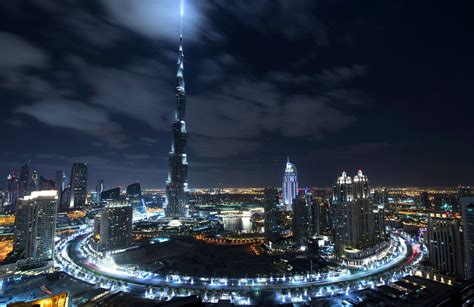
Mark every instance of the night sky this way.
pixel 385 86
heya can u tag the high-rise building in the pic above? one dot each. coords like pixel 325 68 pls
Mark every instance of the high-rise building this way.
pixel 60 185
pixel 290 184
pixel 467 209
pixel 60 182
pixel 99 188
pixel 12 191
pixel 314 213
pixel 34 182
pixel 46 184
pixel 35 228
pixel 353 214
pixel 425 200
pixel 78 186
pixel 24 179
pixel 3 201
pixel 445 245
pixel 379 225
pixel 343 189
pixel 272 229
pixel 300 221
pixel 65 199
pixel 111 194
pixel 113 227
pixel 134 192
pixel 176 186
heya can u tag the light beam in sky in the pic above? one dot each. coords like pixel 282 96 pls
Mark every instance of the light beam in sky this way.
pixel 182 8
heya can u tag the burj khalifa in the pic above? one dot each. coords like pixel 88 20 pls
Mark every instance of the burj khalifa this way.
pixel 177 186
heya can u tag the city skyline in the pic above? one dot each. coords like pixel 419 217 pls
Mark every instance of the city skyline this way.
pixel 86 219
pixel 372 93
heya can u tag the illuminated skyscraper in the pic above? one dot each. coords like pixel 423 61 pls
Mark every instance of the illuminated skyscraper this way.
pixel 111 194
pixel 78 186
pixel 176 185
pixel 290 184
pixel 60 182
pixel 353 214
pixel 12 191
pixel 113 228
pixel 99 188
pixel 343 189
pixel 35 228
pixel 60 185
pixel 467 209
pixel 272 229
pixel 34 182
pixel 24 179
pixel 445 245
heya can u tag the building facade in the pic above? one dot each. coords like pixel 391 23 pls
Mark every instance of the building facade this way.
pixel 24 179
pixel 272 229
pixel 290 184
pixel 354 222
pixel 445 245
pixel 35 228
pixel 99 188
pixel 301 227
pixel 78 186
pixel 113 227
pixel 467 209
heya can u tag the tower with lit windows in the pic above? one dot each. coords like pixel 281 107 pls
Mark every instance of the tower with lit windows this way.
pixel 354 223
pixel 176 186
pixel 290 184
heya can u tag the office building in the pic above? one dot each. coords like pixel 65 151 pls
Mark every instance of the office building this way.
pixel 176 204
pixel 290 184
pixel 60 185
pixel 353 216
pixel 300 221
pixel 34 184
pixel 99 188
pixel 78 186
pixel 46 184
pixel 12 191
pixel 113 227
pixel 134 192
pixel 65 200
pixel 111 194
pixel 314 213
pixel 379 225
pixel 467 211
pixel 35 228
pixel 272 229
pixel 425 200
pixel 60 182
pixel 445 245
pixel 24 179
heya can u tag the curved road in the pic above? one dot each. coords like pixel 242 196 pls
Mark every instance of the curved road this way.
pixel 232 284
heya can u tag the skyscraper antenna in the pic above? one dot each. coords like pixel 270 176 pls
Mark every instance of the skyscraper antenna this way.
pixel 182 14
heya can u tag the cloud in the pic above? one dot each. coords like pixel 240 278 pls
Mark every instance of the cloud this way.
pixel 292 19
pixel 157 19
pixel 336 76
pixel 18 53
pixel 223 147
pixel 134 93
pixel 313 117
pixel 78 116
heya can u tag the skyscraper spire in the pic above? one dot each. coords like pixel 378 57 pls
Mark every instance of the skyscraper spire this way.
pixel 176 185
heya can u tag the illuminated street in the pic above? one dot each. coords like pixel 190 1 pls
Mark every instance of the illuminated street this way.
pixel 78 260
